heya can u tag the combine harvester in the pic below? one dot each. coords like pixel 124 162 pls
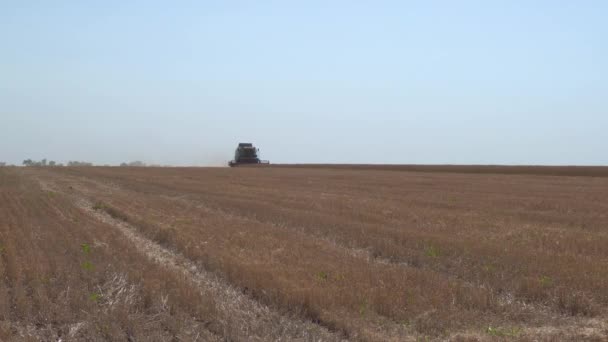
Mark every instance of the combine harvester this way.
pixel 246 154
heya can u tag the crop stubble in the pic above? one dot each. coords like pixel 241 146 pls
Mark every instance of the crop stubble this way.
pixel 378 254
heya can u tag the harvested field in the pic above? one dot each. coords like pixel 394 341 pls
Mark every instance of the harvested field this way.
pixel 309 253
pixel 578 171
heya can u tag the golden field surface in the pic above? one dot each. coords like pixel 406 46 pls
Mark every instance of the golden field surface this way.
pixel 303 253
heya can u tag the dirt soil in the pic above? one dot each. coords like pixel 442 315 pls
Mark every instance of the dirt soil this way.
pixel 308 253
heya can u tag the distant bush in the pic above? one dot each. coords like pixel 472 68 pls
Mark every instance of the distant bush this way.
pixel 2 164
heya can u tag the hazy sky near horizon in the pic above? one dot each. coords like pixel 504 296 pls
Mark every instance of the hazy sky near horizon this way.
pixel 182 82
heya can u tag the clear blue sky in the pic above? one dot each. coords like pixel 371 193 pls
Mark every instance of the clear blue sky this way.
pixel 176 82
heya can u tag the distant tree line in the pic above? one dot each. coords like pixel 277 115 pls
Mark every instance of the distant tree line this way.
pixel 79 163
pixel 44 162
pixel 136 163
pixel 139 163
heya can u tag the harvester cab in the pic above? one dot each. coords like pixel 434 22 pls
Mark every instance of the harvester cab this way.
pixel 246 154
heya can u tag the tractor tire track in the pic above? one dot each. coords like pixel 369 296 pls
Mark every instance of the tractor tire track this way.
pixel 239 316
